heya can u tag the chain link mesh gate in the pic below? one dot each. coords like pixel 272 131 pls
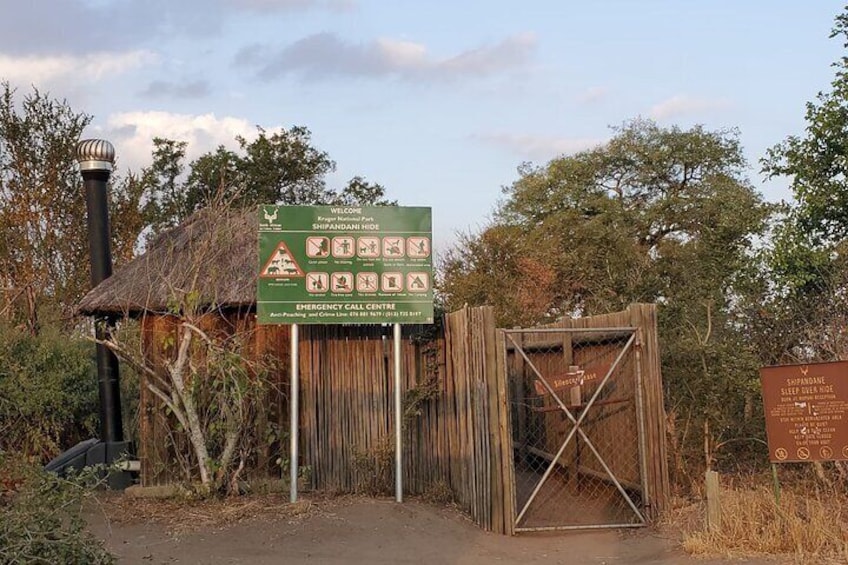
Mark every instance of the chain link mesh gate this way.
pixel 577 428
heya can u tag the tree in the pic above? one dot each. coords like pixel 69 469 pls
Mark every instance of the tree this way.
pixel 620 223
pixel 654 216
pixel 817 162
pixel 806 262
pixel 43 246
pixel 281 167
pixel 500 267
pixel 167 200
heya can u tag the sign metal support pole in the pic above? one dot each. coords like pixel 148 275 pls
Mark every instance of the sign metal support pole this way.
pixel 293 409
pixel 398 418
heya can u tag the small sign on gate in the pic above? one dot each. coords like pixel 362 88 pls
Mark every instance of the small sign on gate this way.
pixel 574 377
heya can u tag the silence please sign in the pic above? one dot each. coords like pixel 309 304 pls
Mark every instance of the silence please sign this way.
pixel 806 409
pixel 345 265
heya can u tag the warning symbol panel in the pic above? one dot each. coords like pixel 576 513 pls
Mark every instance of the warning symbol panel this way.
pixel 418 247
pixel 418 282
pixel 281 265
pixel 368 247
pixel 366 282
pixel 392 282
pixel 393 247
pixel 317 247
pixel 317 282
pixel 341 282
pixel 343 247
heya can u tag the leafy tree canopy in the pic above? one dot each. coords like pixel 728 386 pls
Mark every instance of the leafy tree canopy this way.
pixel 627 221
pixel 817 161
pixel 280 167
pixel 43 243
pixel 807 264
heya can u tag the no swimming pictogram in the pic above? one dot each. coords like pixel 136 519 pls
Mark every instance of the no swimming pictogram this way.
pixel 281 265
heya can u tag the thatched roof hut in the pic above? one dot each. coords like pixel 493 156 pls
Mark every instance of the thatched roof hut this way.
pixel 210 259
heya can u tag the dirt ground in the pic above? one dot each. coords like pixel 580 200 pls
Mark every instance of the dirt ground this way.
pixel 352 530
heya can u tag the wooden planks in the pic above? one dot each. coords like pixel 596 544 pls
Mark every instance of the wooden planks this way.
pixel 644 316
pixel 477 430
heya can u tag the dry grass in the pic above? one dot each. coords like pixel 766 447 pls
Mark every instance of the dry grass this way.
pixel 439 493
pixel 809 527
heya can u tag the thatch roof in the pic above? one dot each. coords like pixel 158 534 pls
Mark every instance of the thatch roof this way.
pixel 212 254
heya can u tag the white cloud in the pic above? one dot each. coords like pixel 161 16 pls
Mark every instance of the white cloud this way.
pixel 399 54
pixel 683 105
pixel 539 147
pixel 177 89
pixel 132 133
pixel 39 70
pixel 593 95
pixel 292 5
pixel 326 55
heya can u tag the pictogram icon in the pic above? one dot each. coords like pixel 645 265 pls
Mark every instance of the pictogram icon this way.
pixel 391 282
pixel 281 265
pixel 317 247
pixel 344 247
pixel 341 282
pixel 368 247
pixel 393 247
pixel 417 282
pixel 366 282
pixel 317 282
pixel 418 247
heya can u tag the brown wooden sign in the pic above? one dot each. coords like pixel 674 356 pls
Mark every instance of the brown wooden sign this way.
pixel 806 408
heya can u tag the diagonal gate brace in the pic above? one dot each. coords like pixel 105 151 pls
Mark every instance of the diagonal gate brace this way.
pixel 576 429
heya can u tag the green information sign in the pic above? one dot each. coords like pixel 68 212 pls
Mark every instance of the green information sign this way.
pixel 345 265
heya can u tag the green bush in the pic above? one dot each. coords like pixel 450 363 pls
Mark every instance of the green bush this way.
pixel 48 392
pixel 42 516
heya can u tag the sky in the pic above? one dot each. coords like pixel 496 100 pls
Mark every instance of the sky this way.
pixel 438 101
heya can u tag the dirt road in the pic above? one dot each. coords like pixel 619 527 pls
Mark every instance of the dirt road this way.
pixel 376 531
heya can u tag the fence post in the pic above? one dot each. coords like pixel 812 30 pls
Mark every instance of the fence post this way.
pixel 713 502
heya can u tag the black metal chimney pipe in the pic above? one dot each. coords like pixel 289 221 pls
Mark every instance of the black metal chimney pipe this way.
pixel 96 157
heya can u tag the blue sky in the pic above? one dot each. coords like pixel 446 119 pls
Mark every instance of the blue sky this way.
pixel 439 101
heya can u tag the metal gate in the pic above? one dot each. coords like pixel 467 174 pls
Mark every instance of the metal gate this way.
pixel 578 428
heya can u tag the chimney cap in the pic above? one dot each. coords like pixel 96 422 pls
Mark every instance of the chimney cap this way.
pixel 95 155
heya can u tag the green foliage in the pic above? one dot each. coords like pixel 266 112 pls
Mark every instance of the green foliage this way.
pixel 213 392
pixel 230 391
pixel 806 266
pixel 817 162
pixel 651 216
pixel 169 200
pixel 505 268
pixel 280 167
pixel 40 210
pixel 43 242
pixel 625 222
pixel 42 516
pixel 710 374
pixel 48 392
